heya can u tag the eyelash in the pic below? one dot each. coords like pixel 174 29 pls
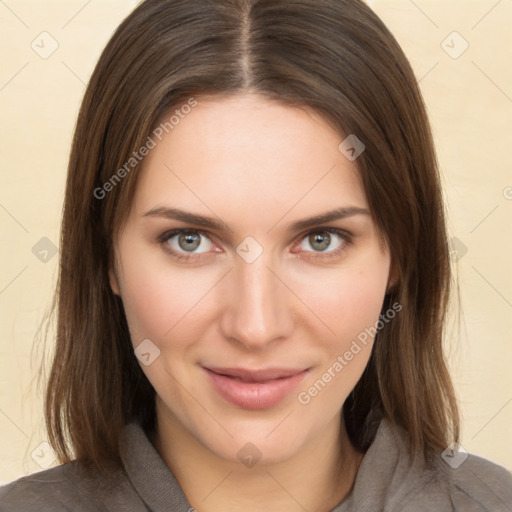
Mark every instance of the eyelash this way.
pixel 346 239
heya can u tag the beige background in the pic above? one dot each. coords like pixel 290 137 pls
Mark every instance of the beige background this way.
pixel 469 97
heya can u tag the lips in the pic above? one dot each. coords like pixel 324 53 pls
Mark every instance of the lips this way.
pixel 254 389
pixel 260 376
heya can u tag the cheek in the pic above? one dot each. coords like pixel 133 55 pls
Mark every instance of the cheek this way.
pixel 349 302
pixel 352 314
pixel 160 299
pixel 349 299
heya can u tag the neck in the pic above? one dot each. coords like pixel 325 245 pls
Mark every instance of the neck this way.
pixel 316 479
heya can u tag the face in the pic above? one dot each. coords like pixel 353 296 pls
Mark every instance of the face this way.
pixel 247 303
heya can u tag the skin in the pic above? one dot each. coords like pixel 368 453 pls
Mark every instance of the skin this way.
pixel 258 166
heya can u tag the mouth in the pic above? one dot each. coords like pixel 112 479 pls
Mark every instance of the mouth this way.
pixel 254 389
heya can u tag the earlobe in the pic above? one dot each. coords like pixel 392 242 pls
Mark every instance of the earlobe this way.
pixel 114 284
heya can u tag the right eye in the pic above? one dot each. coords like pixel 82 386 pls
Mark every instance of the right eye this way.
pixel 183 243
pixel 189 241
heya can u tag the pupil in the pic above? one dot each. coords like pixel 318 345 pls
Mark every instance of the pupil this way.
pixel 320 241
pixel 189 241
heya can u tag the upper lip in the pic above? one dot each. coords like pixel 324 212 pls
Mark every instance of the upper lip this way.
pixel 259 375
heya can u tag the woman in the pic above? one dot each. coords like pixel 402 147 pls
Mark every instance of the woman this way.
pixel 254 275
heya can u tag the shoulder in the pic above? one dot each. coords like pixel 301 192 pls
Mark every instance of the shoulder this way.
pixel 69 487
pixel 453 481
pixel 479 484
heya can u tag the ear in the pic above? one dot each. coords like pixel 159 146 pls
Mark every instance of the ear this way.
pixel 114 283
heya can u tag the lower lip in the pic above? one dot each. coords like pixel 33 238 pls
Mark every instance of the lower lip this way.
pixel 254 395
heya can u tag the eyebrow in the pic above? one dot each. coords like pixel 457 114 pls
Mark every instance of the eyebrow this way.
pixel 212 223
pixel 332 215
pixel 215 224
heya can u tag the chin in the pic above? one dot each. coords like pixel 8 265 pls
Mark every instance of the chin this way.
pixel 249 447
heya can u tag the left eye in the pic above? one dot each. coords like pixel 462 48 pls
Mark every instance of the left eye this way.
pixel 320 241
pixel 189 241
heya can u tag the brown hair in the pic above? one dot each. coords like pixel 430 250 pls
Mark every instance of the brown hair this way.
pixel 335 57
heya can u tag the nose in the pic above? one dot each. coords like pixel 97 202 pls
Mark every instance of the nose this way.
pixel 257 305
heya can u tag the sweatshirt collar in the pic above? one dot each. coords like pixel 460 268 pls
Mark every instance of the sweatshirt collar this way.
pixel 385 471
pixel 148 473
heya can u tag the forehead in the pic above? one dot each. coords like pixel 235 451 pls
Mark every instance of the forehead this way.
pixel 249 159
